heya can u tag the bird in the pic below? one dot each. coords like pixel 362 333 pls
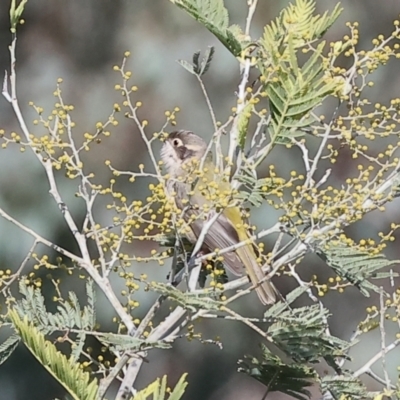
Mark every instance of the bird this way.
pixel 199 191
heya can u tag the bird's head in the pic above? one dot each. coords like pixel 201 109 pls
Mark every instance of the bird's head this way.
pixel 182 148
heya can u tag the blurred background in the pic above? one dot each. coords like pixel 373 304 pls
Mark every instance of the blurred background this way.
pixel 80 41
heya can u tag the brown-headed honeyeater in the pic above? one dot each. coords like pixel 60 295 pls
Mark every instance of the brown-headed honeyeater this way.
pixel 201 193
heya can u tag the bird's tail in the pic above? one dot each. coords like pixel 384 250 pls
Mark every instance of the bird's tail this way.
pixel 265 290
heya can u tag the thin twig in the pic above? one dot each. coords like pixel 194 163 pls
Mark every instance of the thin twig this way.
pixel 106 382
pixel 17 274
pixel 373 375
pixel 322 146
pixel 296 276
pixel 383 336
pixel 241 104
pixel 252 8
pixel 367 366
pixel 304 151
pixel 241 101
pixel 208 101
pixel 157 334
pixel 247 322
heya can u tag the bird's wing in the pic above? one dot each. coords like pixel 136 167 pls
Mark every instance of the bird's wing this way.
pixel 220 235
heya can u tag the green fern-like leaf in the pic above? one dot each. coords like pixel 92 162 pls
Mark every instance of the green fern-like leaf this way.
pixel 243 123
pixel 158 390
pixel 8 347
pixel 206 61
pixel 293 95
pixel 33 306
pixel 301 332
pixel 70 313
pixel 345 386
pixel 191 301
pixel 278 376
pixel 295 91
pixel 255 190
pixel 296 24
pixel 357 266
pixel 179 388
pixel 16 13
pixel 214 16
pixel 67 372
pixel 199 68
pixel 126 342
pixel 77 348
pixel 89 311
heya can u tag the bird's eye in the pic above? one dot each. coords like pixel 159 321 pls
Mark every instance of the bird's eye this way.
pixel 177 142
